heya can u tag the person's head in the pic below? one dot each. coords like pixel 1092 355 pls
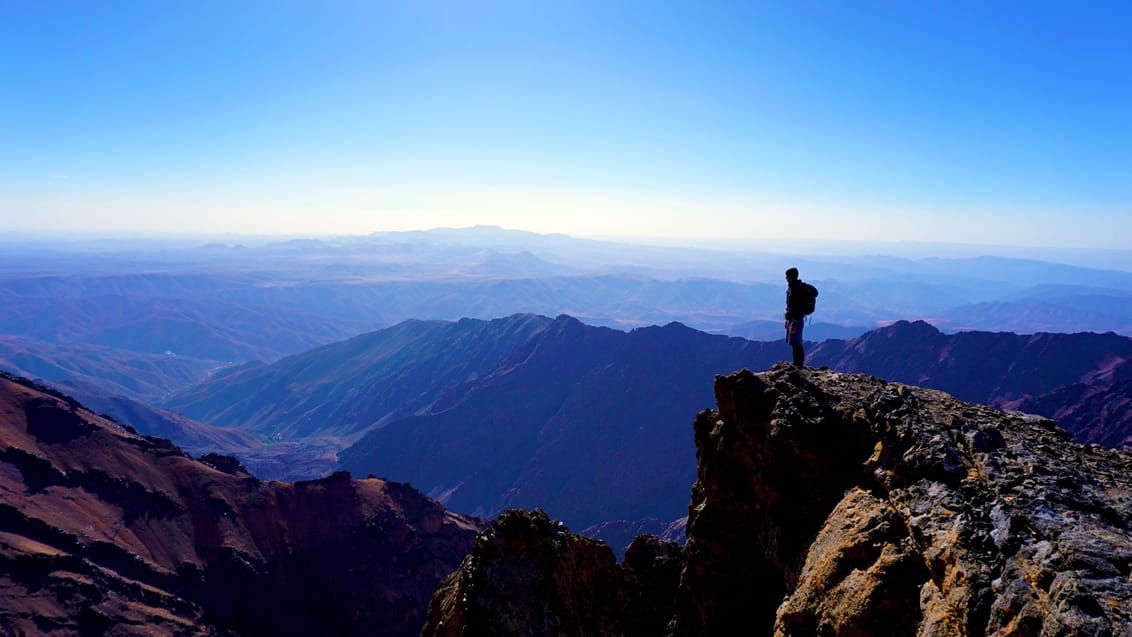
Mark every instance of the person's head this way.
pixel 792 274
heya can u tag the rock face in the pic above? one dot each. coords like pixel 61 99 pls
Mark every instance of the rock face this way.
pixel 841 505
pixel 834 504
pixel 529 575
pixel 103 531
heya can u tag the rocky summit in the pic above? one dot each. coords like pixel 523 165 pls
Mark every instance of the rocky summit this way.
pixel 836 504
pixel 106 532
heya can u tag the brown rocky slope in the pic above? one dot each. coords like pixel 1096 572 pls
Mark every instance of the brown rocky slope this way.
pixel 105 532
pixel 837 504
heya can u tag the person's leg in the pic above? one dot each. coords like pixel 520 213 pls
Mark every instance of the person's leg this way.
pixel 795 341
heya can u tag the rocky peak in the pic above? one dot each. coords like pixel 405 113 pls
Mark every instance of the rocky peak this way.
pixel 837 504
pixel 529 575
pixel 832 503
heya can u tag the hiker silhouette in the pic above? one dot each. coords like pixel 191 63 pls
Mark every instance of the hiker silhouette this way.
pixel 800 297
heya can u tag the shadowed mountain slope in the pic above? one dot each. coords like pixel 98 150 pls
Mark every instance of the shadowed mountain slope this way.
pixel 1097 409
pixel 346 388
pixel 103 531
pixel 582 421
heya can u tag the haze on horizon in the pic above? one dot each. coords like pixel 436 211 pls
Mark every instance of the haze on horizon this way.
pixel 972 123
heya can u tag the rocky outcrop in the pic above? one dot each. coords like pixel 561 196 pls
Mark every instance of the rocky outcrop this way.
pixel 842 505
pixel 834 504
pixel 103 531
pixel 529 575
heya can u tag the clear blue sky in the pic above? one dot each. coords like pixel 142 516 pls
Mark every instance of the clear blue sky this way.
pixel 981 122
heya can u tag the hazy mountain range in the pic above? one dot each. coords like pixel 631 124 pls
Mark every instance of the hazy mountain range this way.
pixel 386 354
pixel 237 303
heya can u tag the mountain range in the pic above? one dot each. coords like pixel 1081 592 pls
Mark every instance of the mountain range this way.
pixel 585 421
pixel 488 414
pixel 236 303
pixel 983 367
pixel 823 501
pixel 139 376
pixel 306 356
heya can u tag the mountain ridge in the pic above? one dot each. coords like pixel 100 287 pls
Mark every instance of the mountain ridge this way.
pixel 463 349
pixel 978 366
pixel 551 422
pixel 543 429
pixel 103 531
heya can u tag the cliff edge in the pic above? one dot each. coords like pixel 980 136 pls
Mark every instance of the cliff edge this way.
pixel 841 504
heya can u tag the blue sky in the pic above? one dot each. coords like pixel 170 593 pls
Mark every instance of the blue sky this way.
pixel 975 122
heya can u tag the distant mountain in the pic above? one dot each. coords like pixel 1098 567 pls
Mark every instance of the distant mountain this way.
pixel 984 367
pixel 614 300
pixel 345 389
pixel 120 372
pixel 127 385
pixel 1065 315
pixel 775 331
pixel 268 299
pixel 106 532
pixel 209 328
pixel 1097 409
pixel 519 264
pixel 488 414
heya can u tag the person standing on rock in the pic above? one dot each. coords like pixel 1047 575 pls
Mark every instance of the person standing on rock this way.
pixel 799 303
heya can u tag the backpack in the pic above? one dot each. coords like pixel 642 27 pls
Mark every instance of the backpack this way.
pixel 807 298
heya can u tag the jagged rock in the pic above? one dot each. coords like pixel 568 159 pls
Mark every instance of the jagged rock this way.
pixel 529 575
pixel 226 464
pixel 105 532
pixel 651 569
pixel 836 504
